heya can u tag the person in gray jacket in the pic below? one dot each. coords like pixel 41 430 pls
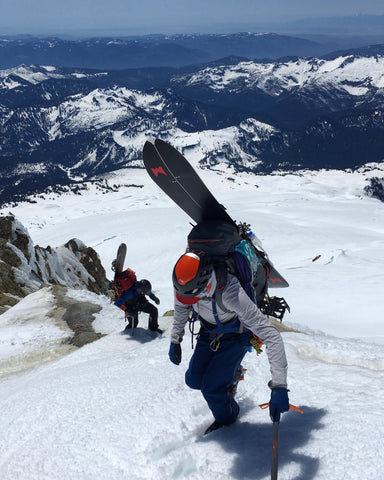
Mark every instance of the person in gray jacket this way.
pixel 224 338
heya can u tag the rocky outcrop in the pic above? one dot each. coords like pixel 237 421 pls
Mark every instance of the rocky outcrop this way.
pixel 24 267
pixel 77 315
pixel 375 188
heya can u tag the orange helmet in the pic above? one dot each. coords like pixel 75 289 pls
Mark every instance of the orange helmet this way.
pixel 191 275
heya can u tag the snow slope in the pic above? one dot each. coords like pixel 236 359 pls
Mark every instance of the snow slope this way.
pixel 118 409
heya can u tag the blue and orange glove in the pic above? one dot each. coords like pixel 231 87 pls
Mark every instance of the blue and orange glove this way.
pixel 278 404
pixel 175 353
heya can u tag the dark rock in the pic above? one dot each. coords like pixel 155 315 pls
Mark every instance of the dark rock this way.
pixel 24 268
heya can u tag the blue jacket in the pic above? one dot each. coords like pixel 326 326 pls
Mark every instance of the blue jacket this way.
pixel 128 296
pixel 132 296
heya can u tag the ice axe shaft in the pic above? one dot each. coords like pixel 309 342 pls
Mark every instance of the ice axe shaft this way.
pixel 275 450
pixel 275 440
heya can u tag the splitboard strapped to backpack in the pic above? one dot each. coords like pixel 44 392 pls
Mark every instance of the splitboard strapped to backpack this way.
pixel 118 262
pixel 216 233
pixel 124 279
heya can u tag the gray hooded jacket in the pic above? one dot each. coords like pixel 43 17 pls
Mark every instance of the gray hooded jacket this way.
pixel 237 301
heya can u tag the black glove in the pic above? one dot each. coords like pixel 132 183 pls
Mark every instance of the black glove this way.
pixel 154 298
pixel 175 353
pixel 278 404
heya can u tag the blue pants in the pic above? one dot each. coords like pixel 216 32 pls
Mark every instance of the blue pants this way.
pixel 213 372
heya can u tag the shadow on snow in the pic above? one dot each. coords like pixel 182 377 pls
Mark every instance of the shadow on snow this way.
pixel 253 444
pixel 142 335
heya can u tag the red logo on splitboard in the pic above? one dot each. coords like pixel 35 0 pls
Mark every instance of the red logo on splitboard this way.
pixel 158 170
pixel 275 280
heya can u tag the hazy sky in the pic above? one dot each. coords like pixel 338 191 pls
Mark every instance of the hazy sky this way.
pixel 166 16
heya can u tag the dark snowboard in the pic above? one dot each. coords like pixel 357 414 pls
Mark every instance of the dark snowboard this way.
pixel 118 263
pixel 179 180
pixel 172 172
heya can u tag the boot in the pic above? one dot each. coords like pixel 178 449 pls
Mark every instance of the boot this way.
pixel 153 324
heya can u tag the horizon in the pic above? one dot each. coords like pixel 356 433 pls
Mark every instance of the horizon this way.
pixel 300 27
pixel 119 17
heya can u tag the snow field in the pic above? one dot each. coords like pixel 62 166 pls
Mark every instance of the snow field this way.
pixel 118 408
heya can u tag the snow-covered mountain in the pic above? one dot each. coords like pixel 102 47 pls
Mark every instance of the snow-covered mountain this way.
pixel 60 126
pixel 119 409
pixel 312 87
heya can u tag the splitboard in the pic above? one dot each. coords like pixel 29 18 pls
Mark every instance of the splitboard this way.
pixel 118 262
pixel 172 172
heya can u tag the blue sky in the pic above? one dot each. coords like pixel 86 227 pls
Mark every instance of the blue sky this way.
pixel 167 16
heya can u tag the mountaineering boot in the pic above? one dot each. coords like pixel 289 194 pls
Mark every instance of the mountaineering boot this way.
pixel 239 375
pixel 214 426
pixel 153 324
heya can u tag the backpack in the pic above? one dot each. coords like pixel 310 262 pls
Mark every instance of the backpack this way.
pixel 231 250
pixel 123 281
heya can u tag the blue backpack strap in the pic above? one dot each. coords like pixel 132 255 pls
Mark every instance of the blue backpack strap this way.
pixel 214 311
pixel 232 326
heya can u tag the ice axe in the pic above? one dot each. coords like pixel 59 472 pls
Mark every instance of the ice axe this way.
pixel 275 449
pixel 275 440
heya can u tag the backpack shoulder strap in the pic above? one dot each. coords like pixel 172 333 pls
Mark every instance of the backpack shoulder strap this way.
pixel 221 282
pixel 219 300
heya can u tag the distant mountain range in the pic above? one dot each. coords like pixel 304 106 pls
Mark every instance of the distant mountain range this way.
pixel 63 125
pixel 175 50
pixel 150 50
